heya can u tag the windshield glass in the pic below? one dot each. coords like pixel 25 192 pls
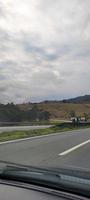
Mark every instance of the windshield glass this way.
pixel 45 84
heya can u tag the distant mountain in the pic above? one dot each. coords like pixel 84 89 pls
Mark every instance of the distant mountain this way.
pixel 80 99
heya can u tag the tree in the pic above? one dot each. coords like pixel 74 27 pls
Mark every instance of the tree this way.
pixel 86 116
pixel 72 113
pixel 44 115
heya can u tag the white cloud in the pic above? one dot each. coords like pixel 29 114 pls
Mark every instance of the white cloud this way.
pixel 44 49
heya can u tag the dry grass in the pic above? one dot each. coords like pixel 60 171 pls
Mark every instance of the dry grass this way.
pixel 60 110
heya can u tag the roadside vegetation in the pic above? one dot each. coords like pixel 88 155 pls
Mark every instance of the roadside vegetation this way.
pixel 11 113
pixel 41 113
pixel 62 127
pixel 55 113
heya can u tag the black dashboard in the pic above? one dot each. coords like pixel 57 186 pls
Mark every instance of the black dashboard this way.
pixel 8 192
pixel 16 191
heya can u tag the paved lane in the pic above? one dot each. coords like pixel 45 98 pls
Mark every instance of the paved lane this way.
pixel 16 128
pixel 44 151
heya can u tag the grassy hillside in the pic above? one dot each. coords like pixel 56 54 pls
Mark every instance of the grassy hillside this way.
pixel 62 110
pixel 59 110
pixel 34 112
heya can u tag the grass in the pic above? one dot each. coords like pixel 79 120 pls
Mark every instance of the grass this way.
pixel 31 133
pixel 62 110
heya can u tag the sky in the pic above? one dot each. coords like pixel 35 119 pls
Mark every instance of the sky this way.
pixel 44 49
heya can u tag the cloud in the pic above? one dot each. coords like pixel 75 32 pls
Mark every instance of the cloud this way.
pixel 44 49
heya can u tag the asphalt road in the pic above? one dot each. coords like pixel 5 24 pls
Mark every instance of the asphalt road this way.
pixel 64 149
pixel 15 128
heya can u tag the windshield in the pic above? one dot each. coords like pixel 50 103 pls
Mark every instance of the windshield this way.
pixel 45 84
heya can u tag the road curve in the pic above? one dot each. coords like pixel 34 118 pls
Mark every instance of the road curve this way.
pixel 69 149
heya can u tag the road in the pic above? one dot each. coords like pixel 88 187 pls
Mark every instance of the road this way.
pixel 62 149
pixel 15 128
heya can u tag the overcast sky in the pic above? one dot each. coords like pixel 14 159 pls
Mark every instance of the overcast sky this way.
pixel 44 49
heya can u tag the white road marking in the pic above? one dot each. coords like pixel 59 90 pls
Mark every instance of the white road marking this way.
pixel 73 148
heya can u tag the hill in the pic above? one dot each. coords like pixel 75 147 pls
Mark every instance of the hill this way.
pixel 80 99
pixel 62 109
pixel 80 106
